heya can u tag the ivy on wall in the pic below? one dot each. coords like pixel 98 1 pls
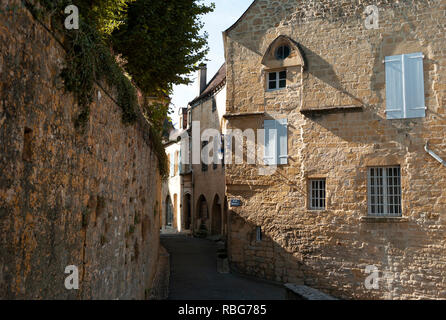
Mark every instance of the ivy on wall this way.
pixel 130 29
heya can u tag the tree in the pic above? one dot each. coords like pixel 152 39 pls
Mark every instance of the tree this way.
pixel 106 15
pixel 161 42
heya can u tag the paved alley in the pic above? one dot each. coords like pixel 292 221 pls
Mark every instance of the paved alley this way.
pixel 194 275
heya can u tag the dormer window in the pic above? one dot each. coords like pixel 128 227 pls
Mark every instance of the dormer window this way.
pixel 276 80
pixel 282 62
pixel 283 52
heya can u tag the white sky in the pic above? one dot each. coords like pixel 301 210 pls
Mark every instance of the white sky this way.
pixel 226 13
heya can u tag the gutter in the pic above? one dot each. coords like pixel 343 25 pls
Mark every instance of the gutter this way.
pixel 434 155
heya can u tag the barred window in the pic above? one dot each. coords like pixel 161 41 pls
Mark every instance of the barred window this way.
pixel 317 194
pixel 384 188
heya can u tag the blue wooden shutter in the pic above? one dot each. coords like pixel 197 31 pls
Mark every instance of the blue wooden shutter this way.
pixel 394 87
pixel 414 85
pixel 270 142
pixel 282 132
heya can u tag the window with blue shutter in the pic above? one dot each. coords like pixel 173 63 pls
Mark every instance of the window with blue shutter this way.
pixel 282 134
pixel 414 83
pixel 405 86
pixel 270 144
pixel 394 87
pixel 276 142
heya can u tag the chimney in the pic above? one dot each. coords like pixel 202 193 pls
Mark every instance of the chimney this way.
pixel 202 81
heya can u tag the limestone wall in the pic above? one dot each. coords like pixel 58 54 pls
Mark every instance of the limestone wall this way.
pixel 66 197
pixel 173 189
pixel 330 249
pixel 210 184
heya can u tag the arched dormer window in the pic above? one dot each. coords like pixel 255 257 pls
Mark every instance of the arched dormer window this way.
pixel 283 53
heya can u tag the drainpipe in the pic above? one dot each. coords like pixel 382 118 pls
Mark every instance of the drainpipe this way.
pixel 434 155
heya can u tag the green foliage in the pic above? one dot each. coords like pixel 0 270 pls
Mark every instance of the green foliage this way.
pixel 158 146
pixel 106 15
pixel 161 42
pixel 89 58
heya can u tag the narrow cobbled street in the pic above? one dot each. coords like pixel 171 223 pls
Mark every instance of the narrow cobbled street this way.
pixel 194 276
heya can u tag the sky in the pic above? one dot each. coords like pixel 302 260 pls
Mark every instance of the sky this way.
pixel 226 13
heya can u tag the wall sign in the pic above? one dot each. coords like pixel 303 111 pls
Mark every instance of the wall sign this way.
pixel 236 203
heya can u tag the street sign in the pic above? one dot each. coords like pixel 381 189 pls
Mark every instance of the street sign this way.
pixel 236 203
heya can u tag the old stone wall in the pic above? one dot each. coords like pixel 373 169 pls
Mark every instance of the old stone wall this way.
pixel 330 249
pixel 67 197
pixel 209 185
pixel 173 190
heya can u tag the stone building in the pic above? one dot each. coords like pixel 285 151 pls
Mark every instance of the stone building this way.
pixel 359 192
pixel 84 201
pixel 177 188
pixel 209 210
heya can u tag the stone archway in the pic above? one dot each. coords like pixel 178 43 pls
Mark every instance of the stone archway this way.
pixel 202 213
pixel 169 212
pixel 216 216
pixel 187 211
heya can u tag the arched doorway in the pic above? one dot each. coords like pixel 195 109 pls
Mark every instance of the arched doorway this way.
pixel 216 215
pixel 169 212
pixel 202 213
pixel 187 211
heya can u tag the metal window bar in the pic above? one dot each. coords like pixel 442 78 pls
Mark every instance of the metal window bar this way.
pixel 317 194
pixel 384 191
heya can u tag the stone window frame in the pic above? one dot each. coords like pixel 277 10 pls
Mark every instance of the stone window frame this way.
pixel 295 58
pixel 282 55
pixel 271 63
pixel 310 180
pixel 385 214
pixel 277 80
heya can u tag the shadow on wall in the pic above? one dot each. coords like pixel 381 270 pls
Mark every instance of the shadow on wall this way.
pixel 323 70
pixel 335 261
pixel 374 129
